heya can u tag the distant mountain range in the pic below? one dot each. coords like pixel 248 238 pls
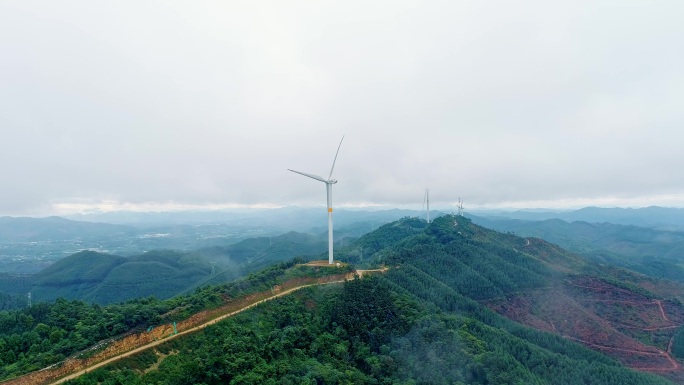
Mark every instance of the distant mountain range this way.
pixel 663 218
pixel 28 245
pixel 650 251
pixel 203 256
pixel 24 229
pixel 282 219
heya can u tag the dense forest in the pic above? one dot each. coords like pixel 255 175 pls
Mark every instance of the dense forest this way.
pixel 429 319
pixel 371 332
pixel 47 333
pixel 650 251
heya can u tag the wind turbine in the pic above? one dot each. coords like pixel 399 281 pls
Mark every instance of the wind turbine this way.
pixel 328 187
pixel 427 199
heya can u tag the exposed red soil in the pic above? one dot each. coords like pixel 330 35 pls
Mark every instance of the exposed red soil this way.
pixel 605 318
pixel 325 263
pixel 136 342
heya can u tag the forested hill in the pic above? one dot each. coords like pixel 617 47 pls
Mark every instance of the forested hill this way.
pixel 663 218
pixel 460 266
pixel 104 279
pixel 444 312
pixel 649 251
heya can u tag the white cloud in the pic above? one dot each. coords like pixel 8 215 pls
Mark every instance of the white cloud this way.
pixel 205 102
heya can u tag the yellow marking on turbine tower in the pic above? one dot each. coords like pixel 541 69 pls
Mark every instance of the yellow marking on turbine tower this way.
pixel 330 210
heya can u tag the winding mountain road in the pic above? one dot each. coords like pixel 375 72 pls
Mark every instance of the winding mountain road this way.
pixel 49 375
pixel 184 332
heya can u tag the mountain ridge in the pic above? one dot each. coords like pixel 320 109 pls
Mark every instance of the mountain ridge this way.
pixel 664 218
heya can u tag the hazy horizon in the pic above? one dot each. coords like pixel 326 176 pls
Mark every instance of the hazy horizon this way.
pixel 214 210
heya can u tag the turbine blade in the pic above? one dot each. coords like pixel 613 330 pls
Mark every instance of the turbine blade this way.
pixel 309 175
pixel 335 160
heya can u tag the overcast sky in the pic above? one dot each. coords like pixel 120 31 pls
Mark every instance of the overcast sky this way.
pixel 167 104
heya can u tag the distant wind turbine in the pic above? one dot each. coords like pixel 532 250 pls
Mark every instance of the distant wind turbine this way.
pixel 328 187
pixel 426 199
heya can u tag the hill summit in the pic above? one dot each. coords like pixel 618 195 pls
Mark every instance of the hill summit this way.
pixel 628 316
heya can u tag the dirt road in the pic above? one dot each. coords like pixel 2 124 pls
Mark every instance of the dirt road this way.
pixel 192 330
pixel 274 294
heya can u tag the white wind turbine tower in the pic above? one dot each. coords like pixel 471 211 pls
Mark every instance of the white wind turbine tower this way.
pixel 426 199
pixel 328 187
